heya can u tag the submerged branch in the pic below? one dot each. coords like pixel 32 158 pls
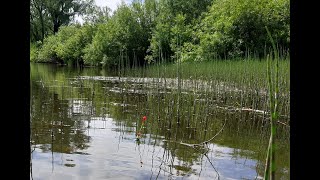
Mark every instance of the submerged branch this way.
pixel 204 142
pixel 231 108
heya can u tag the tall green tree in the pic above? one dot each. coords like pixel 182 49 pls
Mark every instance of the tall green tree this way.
pixel 46 16
pixel 96 15
pixel 191 9
pixel 233 28
pixel 174 25
pixel 39 20
pixel 61 12
pixel 73 40
pixel 123 38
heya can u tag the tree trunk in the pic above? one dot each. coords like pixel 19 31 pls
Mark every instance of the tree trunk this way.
pixel 55 27
pixel 42 25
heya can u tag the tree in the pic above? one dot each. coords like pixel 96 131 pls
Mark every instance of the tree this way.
pixel 46 16
pixel 61 12
pixel 73 40
pixel 39 20
pixel 124 38
pixel 96 15
pixel 234 28
pixel 174 25
pixel 191 9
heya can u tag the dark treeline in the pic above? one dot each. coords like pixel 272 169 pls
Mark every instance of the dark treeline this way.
pixel 152 30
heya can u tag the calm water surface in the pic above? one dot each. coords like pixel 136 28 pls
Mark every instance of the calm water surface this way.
pixel 84 125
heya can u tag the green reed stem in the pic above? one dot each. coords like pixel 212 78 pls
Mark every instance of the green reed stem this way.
pixel 273 100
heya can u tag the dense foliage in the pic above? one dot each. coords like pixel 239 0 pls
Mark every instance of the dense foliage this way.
pixel 47 16
pixel 151 30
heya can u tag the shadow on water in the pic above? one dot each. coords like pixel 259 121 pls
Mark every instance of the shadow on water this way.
pixel 84 124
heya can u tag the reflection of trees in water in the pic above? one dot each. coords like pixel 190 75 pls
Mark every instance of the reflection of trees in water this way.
pixel 244 131
pixel 52 126
pixel 199 119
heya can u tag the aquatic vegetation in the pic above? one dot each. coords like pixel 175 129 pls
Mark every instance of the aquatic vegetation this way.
pixel 211 101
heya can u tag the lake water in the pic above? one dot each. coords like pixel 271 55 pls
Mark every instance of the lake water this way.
pixel 84 125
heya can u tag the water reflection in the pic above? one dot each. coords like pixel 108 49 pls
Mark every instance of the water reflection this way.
pixel 84 127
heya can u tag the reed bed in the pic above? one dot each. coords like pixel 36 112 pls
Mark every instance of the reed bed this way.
pixel 186 103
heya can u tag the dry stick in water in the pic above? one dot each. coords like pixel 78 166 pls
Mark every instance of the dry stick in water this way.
pixel 254 111
pixel 205 142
